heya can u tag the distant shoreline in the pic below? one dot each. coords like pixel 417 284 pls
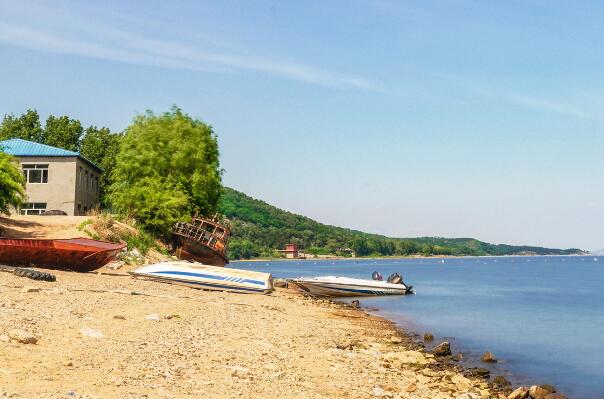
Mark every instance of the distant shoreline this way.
pixel 401 257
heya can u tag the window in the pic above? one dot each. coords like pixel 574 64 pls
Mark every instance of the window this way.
pixel 87 180
pixel 35 173
pixel 32 208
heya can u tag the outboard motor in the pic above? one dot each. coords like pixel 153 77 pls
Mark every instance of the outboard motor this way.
pixel 376 276
pixel 395 278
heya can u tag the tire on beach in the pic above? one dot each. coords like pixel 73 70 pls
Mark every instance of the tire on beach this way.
pixel 34 274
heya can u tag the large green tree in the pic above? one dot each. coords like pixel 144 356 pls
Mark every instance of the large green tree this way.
pixel 63 132
pixel 166 170
pixel 100 146
pixel 27 127
pixel 12 183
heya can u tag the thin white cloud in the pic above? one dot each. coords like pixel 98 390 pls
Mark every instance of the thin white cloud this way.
pixel 576 106
pixel 106 43
pixel 551 106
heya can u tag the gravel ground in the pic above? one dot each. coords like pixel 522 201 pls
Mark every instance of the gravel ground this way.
pixel 95 339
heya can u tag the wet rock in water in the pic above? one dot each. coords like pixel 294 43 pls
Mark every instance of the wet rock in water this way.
pixel 549 387
pixel 541 391
pixel 355 304
pixel 488 357
pixel 152 317
pixel 478 372
pixel 501 381
pixel 22 336
pixel 442 349
pixel 428 337
pixel 458 357
pixel 519 393
pixel 556 396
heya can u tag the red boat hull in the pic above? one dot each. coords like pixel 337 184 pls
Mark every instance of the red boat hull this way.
pixel 78 254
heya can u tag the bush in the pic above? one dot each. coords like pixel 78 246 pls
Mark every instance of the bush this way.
pixel 12 184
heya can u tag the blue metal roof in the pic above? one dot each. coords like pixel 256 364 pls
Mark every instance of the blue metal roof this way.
pixel 24 148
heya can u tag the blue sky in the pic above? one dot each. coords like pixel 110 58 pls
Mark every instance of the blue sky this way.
pixel 448 118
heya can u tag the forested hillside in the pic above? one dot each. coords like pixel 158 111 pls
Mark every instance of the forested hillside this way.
pixel 260 228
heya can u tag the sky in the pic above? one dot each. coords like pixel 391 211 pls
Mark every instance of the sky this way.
pixel 452 118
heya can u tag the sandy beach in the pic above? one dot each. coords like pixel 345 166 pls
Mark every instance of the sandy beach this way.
pixel 110 336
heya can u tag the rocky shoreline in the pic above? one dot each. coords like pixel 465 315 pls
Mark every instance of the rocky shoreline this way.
pixel 108 336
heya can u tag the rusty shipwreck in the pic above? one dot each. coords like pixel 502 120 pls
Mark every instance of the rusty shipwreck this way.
pixel 202 240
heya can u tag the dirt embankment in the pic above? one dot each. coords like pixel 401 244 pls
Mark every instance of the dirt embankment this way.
pixel 42 226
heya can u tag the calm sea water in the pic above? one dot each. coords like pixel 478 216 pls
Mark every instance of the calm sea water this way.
pixel 543 317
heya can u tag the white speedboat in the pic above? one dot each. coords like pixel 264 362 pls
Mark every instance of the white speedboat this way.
pixel 198 275
pixel 346 286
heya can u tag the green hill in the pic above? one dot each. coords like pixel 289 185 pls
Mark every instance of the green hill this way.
pixel 260 228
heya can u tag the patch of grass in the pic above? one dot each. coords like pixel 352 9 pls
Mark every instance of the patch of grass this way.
pixel 142 241
pixel 85 223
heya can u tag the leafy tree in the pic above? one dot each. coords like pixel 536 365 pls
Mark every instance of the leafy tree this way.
pixel 155 204
pixel 166 156
pixel 63 132
pixel 12 183
pixel 100 146
pixel 27 127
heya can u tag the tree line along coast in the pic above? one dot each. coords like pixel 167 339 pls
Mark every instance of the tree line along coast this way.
pixel 164 168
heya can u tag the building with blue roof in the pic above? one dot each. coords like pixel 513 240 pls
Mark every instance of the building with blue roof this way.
pixel 56 179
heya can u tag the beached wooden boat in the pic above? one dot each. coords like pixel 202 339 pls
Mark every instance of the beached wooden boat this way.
pixel 203 240
pixel 197 275
pixel 78 254
pixel 345 286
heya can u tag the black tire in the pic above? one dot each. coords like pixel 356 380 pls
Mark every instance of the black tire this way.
pixel 34 274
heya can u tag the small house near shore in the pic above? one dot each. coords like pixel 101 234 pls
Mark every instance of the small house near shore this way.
pixel 290 251
pixel 56 179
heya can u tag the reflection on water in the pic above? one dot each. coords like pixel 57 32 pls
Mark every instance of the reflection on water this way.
pixel 542 316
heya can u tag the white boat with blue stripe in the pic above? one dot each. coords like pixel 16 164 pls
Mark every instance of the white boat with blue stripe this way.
pixel 345 286
pixel 198 275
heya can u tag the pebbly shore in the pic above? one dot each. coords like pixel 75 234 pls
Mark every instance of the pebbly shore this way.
pixel 113 336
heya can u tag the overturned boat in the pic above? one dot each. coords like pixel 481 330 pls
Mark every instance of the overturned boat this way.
pixel 203 240
pixel 77 254
pixel 197 275
pixel 346 286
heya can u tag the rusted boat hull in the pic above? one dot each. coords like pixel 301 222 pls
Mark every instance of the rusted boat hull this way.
pixel 189 249
pixel 77 254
